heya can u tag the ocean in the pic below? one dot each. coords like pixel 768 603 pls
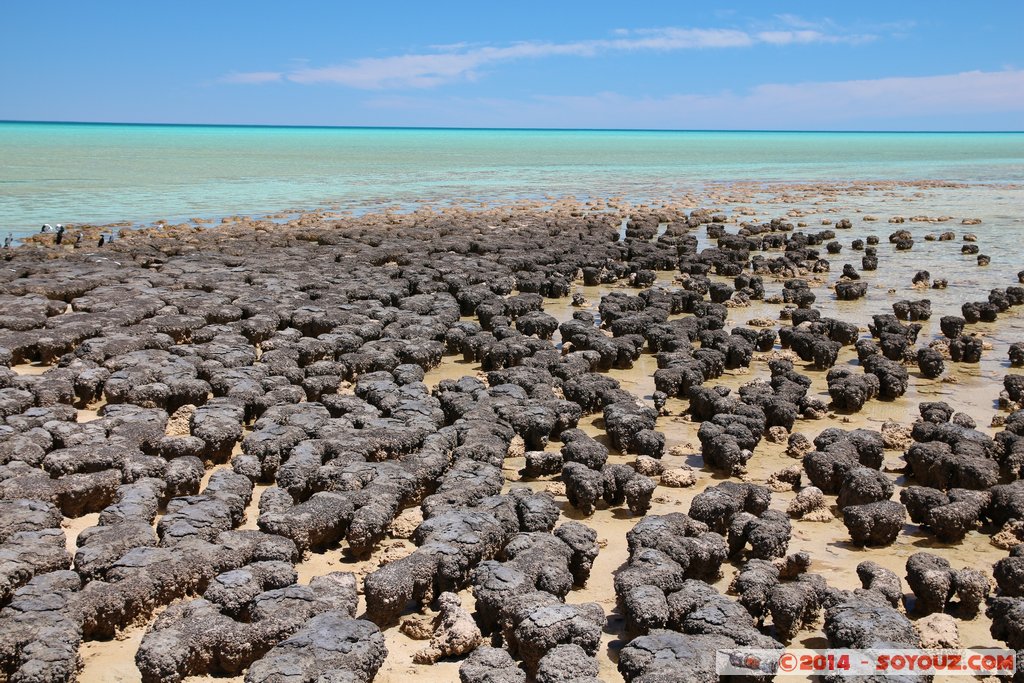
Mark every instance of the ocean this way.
pixel 101 173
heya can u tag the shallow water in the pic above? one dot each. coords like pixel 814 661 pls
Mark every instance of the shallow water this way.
pixel 99 173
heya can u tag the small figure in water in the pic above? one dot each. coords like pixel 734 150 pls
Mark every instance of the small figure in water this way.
pixel 8 240
pixel 60 233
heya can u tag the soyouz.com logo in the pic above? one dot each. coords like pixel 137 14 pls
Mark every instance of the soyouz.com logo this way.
pixel 844 662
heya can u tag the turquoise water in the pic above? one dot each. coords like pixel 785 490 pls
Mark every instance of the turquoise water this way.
pixel 140 173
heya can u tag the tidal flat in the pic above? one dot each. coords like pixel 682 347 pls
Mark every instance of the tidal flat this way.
pixel 506 442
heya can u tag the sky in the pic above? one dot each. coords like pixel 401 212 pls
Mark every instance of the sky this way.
pixel 750 65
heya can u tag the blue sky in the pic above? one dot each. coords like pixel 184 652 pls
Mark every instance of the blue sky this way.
pixel 797 65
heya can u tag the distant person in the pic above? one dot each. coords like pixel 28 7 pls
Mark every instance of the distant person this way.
pixel 60 233
pixel 78 240
pixel 8 240
pixel 46 228
pixel 103 239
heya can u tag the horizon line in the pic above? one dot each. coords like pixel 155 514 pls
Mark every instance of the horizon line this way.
pixel 498 128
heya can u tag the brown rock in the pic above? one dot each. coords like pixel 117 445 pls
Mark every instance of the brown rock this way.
pixel 778 434
pixel 406 522
pixel 555 488
pixel 178 424
pixel 938 630
pixel 455 632
pixel 799 445
pixel 682 477
pixel 786 480
pixel 1010 536
pixel 417 626
pixel 896 437
pixel 810 505
pixel 648 466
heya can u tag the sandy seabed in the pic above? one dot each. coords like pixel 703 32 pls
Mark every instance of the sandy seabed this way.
pixel 970 388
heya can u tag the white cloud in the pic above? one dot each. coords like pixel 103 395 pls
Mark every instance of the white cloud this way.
pixel 797 21
pixel 252 77
pixel 869 103
pixel 968 91
pixel 451 63
pixel 678 39
pixel 791 37
pixel 412 71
